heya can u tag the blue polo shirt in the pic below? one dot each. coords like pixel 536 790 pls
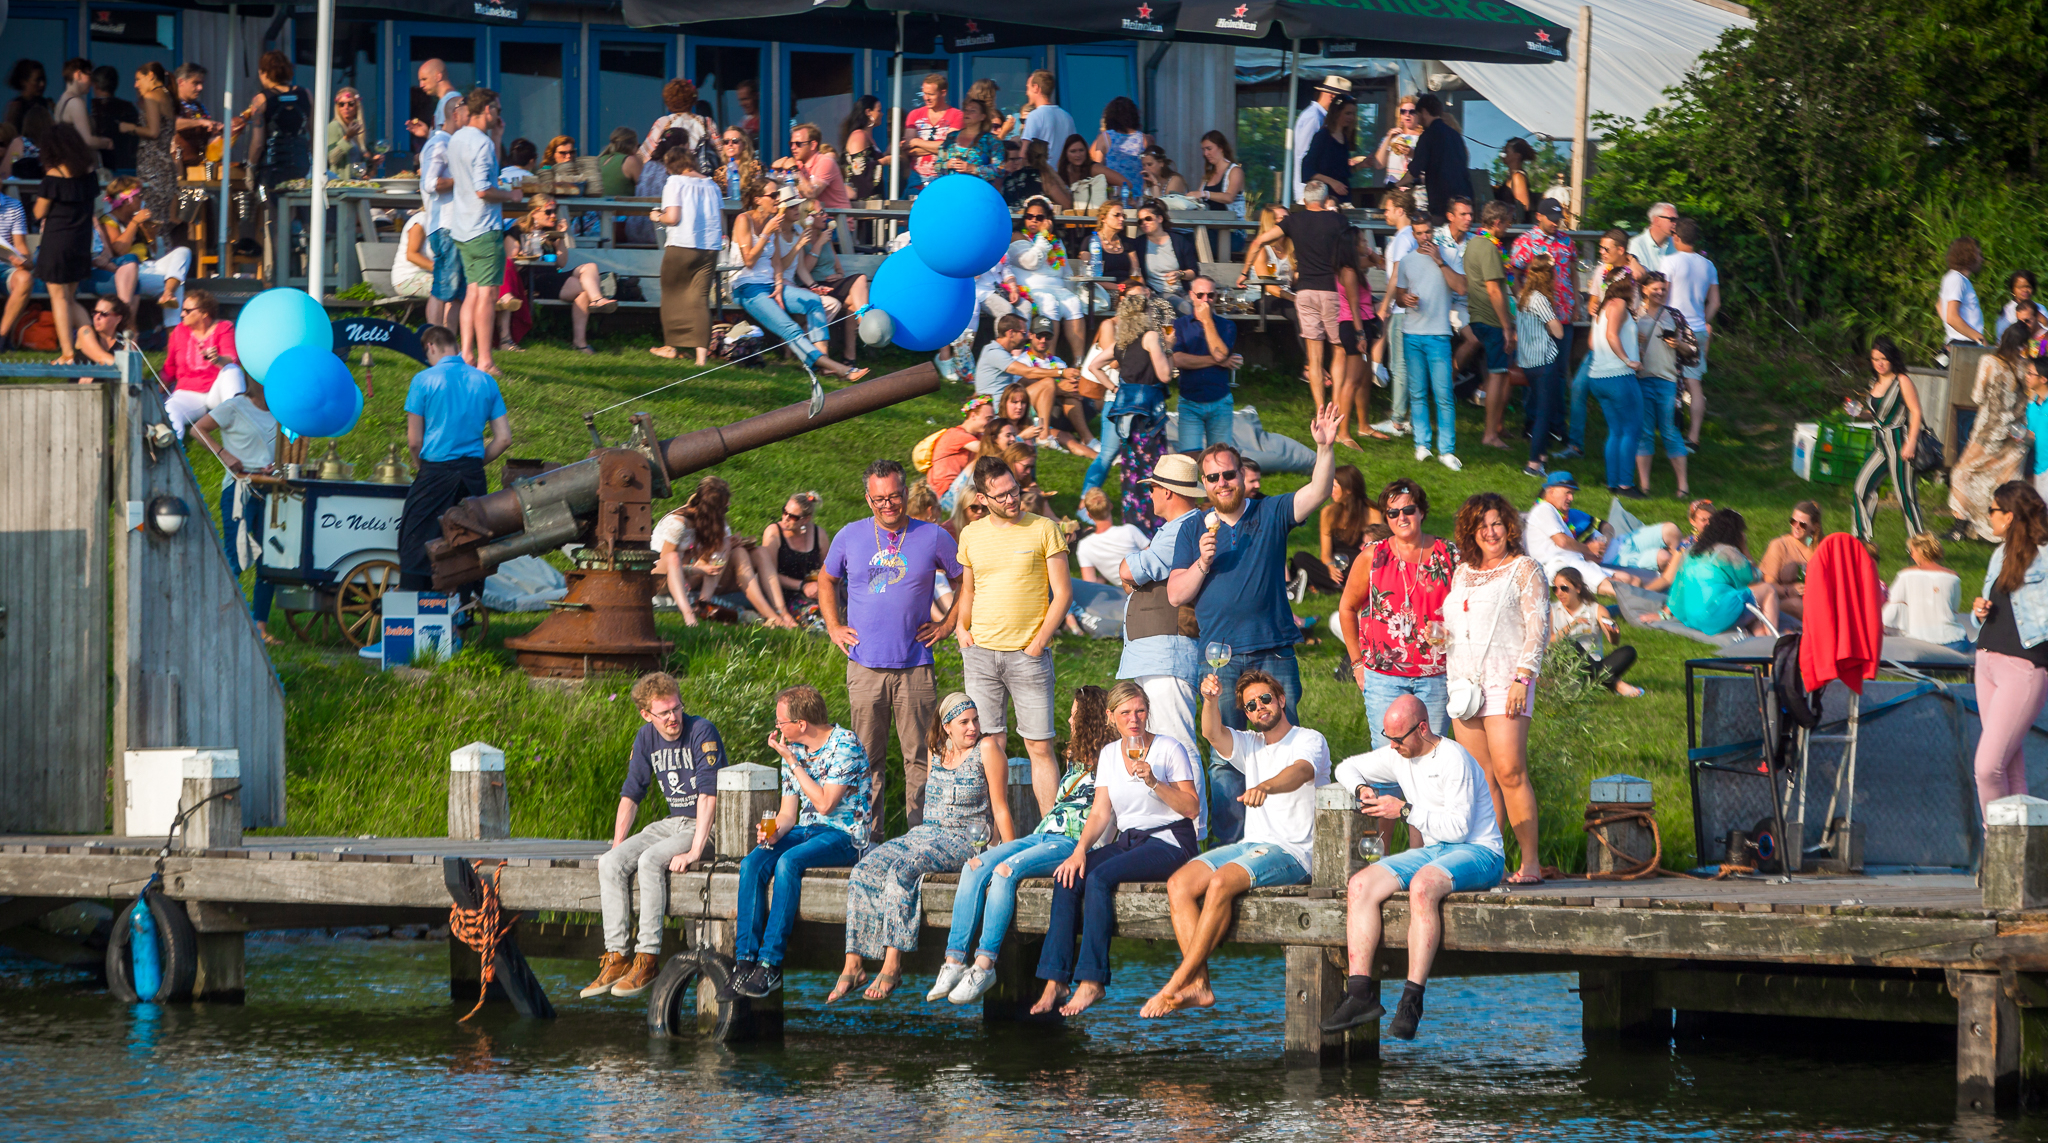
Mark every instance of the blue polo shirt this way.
pixel 458 401
pixel 1211 382
pixel 1243 601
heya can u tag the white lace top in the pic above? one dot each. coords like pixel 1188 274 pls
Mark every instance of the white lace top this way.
pixel 1514 595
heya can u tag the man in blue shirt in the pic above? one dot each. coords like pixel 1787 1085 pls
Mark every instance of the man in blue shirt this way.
pixel 1234 571
pixel 447 409
pixel 1205 352
pixel 1157 655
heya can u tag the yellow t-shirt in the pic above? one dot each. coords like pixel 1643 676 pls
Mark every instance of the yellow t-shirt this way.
pixel 1010 585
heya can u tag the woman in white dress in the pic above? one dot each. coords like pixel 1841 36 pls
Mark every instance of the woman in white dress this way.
pixel 1925 598
pixel 1497 615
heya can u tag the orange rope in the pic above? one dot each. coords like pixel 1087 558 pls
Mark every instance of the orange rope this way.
pixel 1599 816
pixel 481 928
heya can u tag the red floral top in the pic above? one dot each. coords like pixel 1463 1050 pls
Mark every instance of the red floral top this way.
pixel 1564 286
pixel 1401 599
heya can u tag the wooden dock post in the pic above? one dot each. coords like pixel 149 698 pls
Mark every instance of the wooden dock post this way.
pixel 1017 985
pixel 479 809
pixel 1024 811
pixel 1617 1007
pixel 2001 1041
pixel 2016 853
pixel 1630 844
pixel 1315 974
pixel 747 792
pixel 216 824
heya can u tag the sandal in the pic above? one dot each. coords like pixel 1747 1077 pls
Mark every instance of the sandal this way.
pixel 887 982
pixel 853 375
pixel 1375 434
pixel 847 981
pixel 511 347
pixel 584 349
pixel 1520 878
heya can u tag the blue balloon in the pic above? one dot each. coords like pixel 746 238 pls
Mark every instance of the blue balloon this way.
pixel 311 392
pixel 966 224
pixel 277 320
pixel 927 309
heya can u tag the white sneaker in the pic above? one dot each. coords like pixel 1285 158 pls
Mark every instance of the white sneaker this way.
pixel 1452 462
pixel 1380 377
pixel 949 978
pixel 1388 427
pixel 1298 590
pixel 1421 452
pixel 947 368
pixel 977 981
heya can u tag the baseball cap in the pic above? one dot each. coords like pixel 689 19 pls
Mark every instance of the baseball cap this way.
pixel 1560 480
pixel 1179 472
pixel 1551 209
pixel 1041 324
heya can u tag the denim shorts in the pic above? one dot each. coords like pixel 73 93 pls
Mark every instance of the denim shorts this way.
pixel 1472 867
pixel 1494 340
pixel 1637 549
pixel 1267 863
pixel 449 283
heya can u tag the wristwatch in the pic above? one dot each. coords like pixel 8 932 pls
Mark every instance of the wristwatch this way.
pixel 1405 807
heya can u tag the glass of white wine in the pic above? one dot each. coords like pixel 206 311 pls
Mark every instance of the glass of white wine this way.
pixel 1134 751
pixel 1217 655
pixel 1436 635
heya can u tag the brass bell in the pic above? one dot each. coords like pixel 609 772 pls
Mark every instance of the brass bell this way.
pixel 332 467
pixel 391 470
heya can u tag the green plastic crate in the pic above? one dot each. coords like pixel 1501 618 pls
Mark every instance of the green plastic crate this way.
pixel 1840 450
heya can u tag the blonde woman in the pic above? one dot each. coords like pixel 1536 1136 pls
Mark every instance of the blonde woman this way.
pixel 791 552
pixel 1276 258
pixel 1109 236
pixel 1497 615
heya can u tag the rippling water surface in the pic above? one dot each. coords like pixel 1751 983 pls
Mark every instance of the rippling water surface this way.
pixel 347 1039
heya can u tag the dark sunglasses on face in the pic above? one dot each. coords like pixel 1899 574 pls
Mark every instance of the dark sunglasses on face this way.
pixel 1038 218
pixel 1409 510
pixel 1220 477
pixel 1263 698
pixel 1202 294
pixel 1561 589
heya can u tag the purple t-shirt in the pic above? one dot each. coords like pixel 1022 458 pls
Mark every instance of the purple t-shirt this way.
pixel 889 578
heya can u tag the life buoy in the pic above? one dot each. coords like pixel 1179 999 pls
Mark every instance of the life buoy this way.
pixel 177 950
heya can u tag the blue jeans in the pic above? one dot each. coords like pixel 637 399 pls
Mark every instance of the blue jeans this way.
pixel 1381 691
pixel 1429 384
pixel 1109 441
pixel 764 930
pixel 1660 412
pixel 1088 910
pixel 990 898
pixel 252 512
pixel 759 301
pixel 1621 403
pixel 1546 407
pixel 1226 782
pixel 1203 423
pixel 1575 431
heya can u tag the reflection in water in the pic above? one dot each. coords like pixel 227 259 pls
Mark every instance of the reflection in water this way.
pixel 358 1039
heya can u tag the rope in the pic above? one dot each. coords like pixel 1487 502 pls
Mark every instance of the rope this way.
pixel 481 928
pixel 770 348
pixel 1598 817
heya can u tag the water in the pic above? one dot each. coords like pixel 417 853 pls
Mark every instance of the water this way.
pixel 344 1040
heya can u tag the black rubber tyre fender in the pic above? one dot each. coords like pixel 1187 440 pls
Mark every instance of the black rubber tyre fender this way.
pixel 672 999
pixel 176 940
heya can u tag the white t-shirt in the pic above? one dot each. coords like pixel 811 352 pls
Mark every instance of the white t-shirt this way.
pixel 1399 246
pixel 699 225
pixel 1954 288
pixel 673 531
pixel 1137 807
pixel 1445 788
pixel 1543 522
pixel 403 269
pixel 1691 276
pixel 1432 313
pixel 1103 551
pixel 473 167
pixel 1287 820
pixel 1306 125
pixel 1052 124
pixel 247 433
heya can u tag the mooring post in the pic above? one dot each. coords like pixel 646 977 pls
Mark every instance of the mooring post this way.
pixel 216 824
pixel 1620 1006
pixel 1024 811
pixel 2016 853
pixel 1315 974
pixel 1629 842
pixel 747 792
pixel 479 809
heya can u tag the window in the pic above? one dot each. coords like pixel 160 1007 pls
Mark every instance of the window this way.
pixel 354 63
pixel 1087 82
pixel 1008 74
pixel 729 79
pixel 456 53
pixel 124 40
pixel 630 77
pixel 820 92
pixel 530 90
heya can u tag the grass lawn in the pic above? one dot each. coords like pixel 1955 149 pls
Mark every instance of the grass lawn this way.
pixel 367 752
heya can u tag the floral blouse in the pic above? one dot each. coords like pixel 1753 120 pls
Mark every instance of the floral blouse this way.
pixel 1071 805
pixel 1401 600
pixel 984 156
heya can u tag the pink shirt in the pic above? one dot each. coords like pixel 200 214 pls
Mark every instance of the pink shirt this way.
pixel 823 172
pixel 1357 315
pixel 186 369
pixel 923 125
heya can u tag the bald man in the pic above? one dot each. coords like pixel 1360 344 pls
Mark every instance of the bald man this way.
pixel 434 81
pixel 1448 802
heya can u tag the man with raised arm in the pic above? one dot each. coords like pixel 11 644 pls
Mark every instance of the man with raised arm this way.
pixel 1445 798
pixel 1284 764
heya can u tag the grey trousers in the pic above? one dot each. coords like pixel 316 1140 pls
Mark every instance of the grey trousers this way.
pixel 641 860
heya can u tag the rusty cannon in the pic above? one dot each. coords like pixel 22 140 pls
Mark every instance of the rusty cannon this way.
pixel 605 503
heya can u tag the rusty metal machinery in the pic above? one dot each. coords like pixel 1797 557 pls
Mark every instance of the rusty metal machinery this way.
pixel 605 502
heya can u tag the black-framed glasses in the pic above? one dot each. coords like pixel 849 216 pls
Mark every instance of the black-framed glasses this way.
pixel 1561 588
pixel 884 498
pixel 1405 510
pixel 1400 738
pixel 797 517
pixel 1031 217
pixel 1012 494
pixel 1204 294
pixel 675 711
pixel 1220 477
pixel 1407 111
pixel 104 313
pixel 1263 698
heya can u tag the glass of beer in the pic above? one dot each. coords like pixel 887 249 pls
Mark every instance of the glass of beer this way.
pixel 768 819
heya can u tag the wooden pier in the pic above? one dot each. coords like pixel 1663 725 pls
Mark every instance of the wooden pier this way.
pixel 1915 949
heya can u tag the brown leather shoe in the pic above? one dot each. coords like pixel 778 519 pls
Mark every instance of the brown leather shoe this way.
pixel 610 967
pixel 645 968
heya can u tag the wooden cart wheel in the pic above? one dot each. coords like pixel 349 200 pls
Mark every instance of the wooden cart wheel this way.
pixel 304 624
pixel 360 600
pixel 479 623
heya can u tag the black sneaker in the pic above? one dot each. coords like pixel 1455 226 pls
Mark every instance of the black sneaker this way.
pixel 740 971
pixel 760 982
pixel 1406 1016
pixel 1354 1011
pixel 1631 492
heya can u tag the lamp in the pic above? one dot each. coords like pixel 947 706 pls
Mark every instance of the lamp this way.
pixel 167 514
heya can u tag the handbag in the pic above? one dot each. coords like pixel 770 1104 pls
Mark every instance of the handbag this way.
pixel 1465 696
pixel 1927 455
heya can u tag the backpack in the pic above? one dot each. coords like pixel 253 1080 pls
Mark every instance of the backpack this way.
pixel 921 456
pixel 1685 345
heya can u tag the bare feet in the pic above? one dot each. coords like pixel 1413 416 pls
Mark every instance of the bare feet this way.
pixel 1347 442
pixel 1086 993
pixel 1197 995
pixel 1526 877
pixel 884 984
pixel 1050 998
pixel 1493 442
pixel 848 981
pixel 666 353
pixel 1159 1005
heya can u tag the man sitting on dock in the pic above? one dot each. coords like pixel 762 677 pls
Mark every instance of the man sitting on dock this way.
pixel 1284 764
pixel 824 821
pixel 681 753
pixel 1449 802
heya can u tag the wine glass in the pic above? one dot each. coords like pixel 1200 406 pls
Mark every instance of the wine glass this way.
pixel 1436 635
pixel 1134 751
pixel 1217 655
pixel 1372 847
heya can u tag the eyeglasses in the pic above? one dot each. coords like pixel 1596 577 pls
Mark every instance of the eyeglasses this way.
pixel 188 309
pixel 1407 111
pixel 1263 698
pixel 1409 510
pixel 1037 217
pixel 675 711
pixel 348 102
pixel 1399 738
pixel 1561 589
pixel 1202 295
pixel 1220 477
pixel 1801 524
pixel 1152 218
pixel 731 142
pixel 97 314
pixel 796 517
pixel 1012 494
pixel 884 498
pixel 977 509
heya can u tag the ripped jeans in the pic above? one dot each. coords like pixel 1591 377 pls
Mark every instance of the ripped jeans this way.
pixel 990 897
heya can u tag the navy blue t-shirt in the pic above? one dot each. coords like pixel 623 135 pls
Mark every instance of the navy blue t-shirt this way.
pixel 1243 602
pixel 1211 382
pixel 684 768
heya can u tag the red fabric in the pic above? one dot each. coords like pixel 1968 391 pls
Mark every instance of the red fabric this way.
pixel 185 369
pixel 514 286
pixel 1843 636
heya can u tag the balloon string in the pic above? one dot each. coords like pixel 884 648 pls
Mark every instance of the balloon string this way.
pixel 722 365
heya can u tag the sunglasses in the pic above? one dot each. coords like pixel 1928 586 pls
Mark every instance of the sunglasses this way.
pixel 348 102
pixel 1405 737
pixel 732 142
pixel 1202 296
pixel 798 517
pixel 1410 510
pixel 104 313
pixel 1038 218
pixel 1264 698
pixel 1562 589
pixel 1220 477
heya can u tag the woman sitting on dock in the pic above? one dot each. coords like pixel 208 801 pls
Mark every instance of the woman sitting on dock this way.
pixel 1145 784
pixel 987 893
pixel 883 905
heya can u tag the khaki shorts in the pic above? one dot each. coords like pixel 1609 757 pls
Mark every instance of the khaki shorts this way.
pixel 483 259
pixel 1316 310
